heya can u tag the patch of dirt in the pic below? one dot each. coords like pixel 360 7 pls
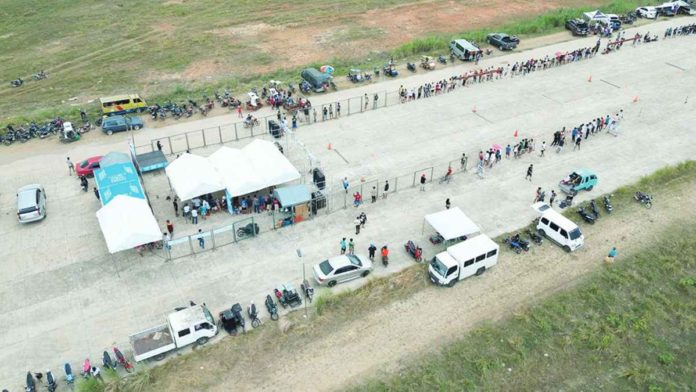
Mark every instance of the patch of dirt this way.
pixel 203 69
pixel 386 339
pixel 163 28
pixel 174 2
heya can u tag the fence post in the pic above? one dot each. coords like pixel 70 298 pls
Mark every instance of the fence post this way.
pixel 205 143
pixel 236 136
pixel 212 237
pixel 190 245
pixel 385 99
pixel 361 104
pixel 171 150
pixel 187 142
pixel 432 172
pixel 220 133
pixel 396 184
pixel 348 114
pixel 414 178
pixel 234 231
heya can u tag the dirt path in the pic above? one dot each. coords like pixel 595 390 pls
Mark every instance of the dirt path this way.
pixel 386 338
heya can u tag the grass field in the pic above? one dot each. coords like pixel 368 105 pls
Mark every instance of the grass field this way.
pixel 178 49
pixel 627 327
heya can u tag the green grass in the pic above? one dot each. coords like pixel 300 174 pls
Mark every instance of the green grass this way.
pixel 93 48
pixel 629 327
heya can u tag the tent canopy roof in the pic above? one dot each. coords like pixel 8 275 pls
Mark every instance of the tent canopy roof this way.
pixel 118 179
pixel 292 195
pixel 114 157
pixel 452 223
pixel 192 176
pixel 127 222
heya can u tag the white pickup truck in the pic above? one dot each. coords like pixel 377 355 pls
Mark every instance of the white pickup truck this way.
pixel 191 325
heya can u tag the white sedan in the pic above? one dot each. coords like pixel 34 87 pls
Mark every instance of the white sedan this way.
pixel 647 12
pixel 342 269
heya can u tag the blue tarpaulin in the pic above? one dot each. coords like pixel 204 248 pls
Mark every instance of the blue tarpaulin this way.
pixel 118 179
pixel 293 195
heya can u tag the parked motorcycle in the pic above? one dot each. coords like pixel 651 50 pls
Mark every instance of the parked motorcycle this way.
pixel 307 289
pixel 644 199
pixel 249 229
pixel 253 315
pixel 535 237
pixel 121 359
pixel 51 381
pixel 607 204
pixel 595 210
pixel 589 218
pixel 411 67
pixel 414 250
pixel 271 307
pixel 40 75
pixel 239 317
pixel 83 183
pixel 515 246
pixel 17 82
pixel 31 384
pixel 69 378
pixel 523 243
pixel 442 59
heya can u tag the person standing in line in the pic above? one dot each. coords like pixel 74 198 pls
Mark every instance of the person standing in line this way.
pixel 331 113
pixel 542 148
pixel 343 246
pixel 96 193
pixel 553 197
pixel 373 194
pixel 159 145
pixel 170 227
pixel 176 207
pixel 345 184
pixel 194 216
pixel 367 100
pixel 530 171
pixel 422 182
pixel 71 167
pixel 577 143
pixel 314 110
pixel 447 204
pixel 363 219
pixel 508 149
pixel 386 189
pixel 356 222
pixel 371 251
pixel 351 247
pixel 201 240
pixel 338 109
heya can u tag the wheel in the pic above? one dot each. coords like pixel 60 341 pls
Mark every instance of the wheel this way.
pixel 452 283
pixel 566 248
pixel 109 132
pixel 589 188
pixel 159 357
pixel 365 273
pixel 255 322
pixel 241 233
pixel 201 341
pixel 648 205
pixel 480 271
pixel 593 221
pixel 274 316
pixel 331 283
pixel 139 127
pixel 518 250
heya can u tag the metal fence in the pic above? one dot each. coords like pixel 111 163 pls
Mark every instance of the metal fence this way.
pixel 236 131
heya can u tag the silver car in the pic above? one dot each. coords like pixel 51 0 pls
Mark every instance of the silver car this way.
pixel 31 203
pixel 342 269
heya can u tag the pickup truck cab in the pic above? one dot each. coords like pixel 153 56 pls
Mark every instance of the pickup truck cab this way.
pixel 578 27
pixel 121 124
pixel 194 324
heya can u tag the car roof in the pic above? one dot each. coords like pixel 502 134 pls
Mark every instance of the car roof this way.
pixel 26 195
pixel 118 97
pixel 29 187
pixel 342 261
pixel 585 172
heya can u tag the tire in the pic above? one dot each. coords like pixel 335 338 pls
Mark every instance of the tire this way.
pixel 159 357
pixel 589 188
pixel 139 127
pixel 518 250
pixel 331 283
pixel 201 341
pixel 274 316
pixel 592 222
pixel 480 271
pixel 365 273
pixel 255 322
pixel 241 233
pixel 648 205
pixel 452 283
pixel 109 132
pixel 566 248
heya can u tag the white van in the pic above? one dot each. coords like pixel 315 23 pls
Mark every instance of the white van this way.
pixel 558 228
pixel 471 257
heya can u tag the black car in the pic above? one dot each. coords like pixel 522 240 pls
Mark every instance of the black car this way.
pixel 577 27
pixel 503 41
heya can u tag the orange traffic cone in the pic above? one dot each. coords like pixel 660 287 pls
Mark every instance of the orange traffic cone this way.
pixel 329 146
pixel 635 99
pixel 589 79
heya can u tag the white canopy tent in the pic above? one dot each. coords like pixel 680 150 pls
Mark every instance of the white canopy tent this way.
pixel 257 166
pixel 595 16
pixel 452 224
pixel 127 222
pixel 191 176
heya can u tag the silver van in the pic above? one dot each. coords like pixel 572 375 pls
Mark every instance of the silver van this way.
pixel 31 203
pixel 558 228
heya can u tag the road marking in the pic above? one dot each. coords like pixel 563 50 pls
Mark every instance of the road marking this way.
pixel 485 119
pixel 342 157
pixel 675 66
pixel 609 83
pixel 549 98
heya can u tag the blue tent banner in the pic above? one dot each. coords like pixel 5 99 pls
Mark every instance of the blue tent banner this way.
pixel 118 179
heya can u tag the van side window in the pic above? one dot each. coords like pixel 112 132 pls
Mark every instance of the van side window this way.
pixel 184 332
pixel 123 102
pixel 492 253
pixel 468 262
pixel 137 100
pixel 545 221
pixel 452 270
pixel 108 104
pixel 38 196
pixel 564 233
pixel 554 226
pixel 483 256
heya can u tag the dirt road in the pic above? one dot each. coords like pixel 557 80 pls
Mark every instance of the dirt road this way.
pixel 384 339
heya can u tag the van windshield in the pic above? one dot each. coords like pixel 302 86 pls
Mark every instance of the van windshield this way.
pixel 575 234
pixel 440 268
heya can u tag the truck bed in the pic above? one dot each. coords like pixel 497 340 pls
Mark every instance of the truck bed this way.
pixel 152 342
